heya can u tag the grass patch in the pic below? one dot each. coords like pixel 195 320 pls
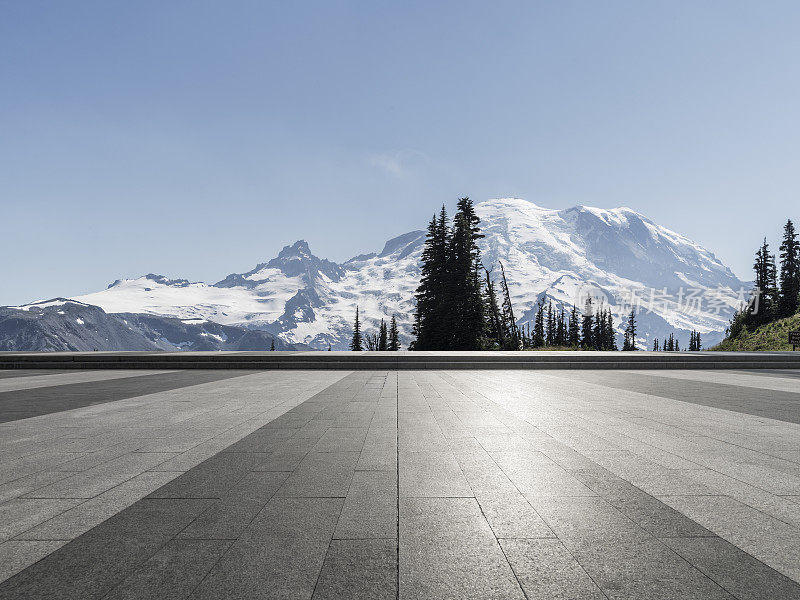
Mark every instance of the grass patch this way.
pixel 770 337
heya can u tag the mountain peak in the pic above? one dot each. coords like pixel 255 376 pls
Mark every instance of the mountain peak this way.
pixel 300 247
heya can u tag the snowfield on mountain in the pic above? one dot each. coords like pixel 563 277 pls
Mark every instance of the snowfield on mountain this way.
pixel 550 255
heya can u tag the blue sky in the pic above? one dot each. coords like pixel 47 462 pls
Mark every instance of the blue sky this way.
pixel 197 138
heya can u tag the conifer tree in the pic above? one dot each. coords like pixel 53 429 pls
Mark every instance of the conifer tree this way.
pixel 694 341
pixel 550 338
pixel 394 336
pixel 430 328
pixel 464 300
pixel 630 332
pixel 599 333
pixel 356 345
pixel 561 328
pixel 655 345
pixel 612 338
pixel 383 336
pixel 538 326
pixel 587 337
pixel 494 325
pixel 272 345
pixel 573 330
pixel 766 285
pixel 790 272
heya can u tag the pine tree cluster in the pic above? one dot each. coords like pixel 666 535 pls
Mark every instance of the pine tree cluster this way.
pixel 451 301
pixel 671 343
pixel 775 297
pixel 386 339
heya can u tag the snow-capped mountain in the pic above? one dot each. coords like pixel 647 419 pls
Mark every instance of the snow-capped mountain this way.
pixel 560 255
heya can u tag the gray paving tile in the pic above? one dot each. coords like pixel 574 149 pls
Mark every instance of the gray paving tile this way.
pixel 172 572
pixel 370 509
pixel 213 478
pixel 735 570
pixel 91 565
pixel 511 516
pixel 21 514
pixel 546 569
pixel 447 550
pixel 16 555
pixel 341 439
pixel 321 475
pixel 647 512
pixel 359 569
pixel 280 555
pixel 432 474
pixel 644 568
pixel 228 518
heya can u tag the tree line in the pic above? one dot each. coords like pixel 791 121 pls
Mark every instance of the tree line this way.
pixel 386 338
pixel 776 296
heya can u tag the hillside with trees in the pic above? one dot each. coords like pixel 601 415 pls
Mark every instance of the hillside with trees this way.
pixel 772 313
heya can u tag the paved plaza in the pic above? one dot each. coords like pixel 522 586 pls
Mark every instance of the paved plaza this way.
pixel 557 484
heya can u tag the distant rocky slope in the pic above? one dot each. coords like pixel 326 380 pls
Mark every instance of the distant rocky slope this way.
pixel 68 325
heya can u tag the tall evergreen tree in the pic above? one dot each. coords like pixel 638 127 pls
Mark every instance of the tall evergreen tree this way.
pixel 538 326
pixel 630 332
pixel 464 302
pixel 430 328
pixel 587 327
pixel 550 339
pixel 612 338
pixel 383 336
pixel 790 272
pixel 394 336
pixel 573 329
pixel 272 346
pixel 357 344
pixel 561 328
pixel 766 285
pixel 599 332
pixel 655 345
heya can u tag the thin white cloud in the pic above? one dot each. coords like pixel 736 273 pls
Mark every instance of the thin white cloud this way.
pixel 389 163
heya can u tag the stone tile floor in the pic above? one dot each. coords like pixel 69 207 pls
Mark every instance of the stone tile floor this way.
pixel 423 484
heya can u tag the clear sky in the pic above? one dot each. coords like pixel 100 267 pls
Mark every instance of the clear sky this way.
pixel 196 138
